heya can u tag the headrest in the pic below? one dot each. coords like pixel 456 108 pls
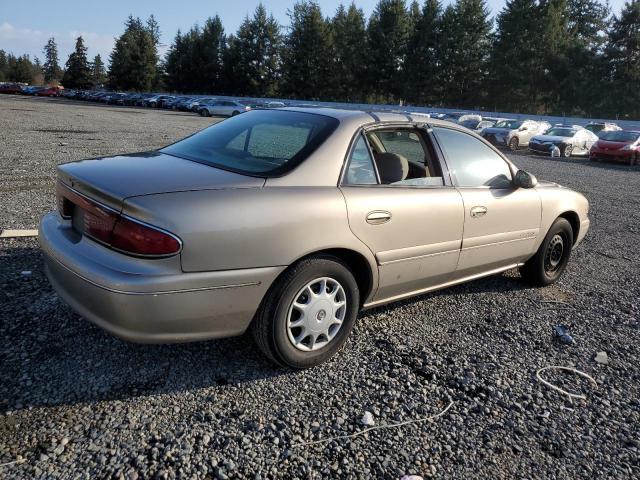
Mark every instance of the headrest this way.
pixel 392 167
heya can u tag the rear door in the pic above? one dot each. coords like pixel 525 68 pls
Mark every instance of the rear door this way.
pixel 501 221
pixel 403 208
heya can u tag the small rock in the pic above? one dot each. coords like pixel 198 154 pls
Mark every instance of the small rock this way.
pixel 25 273
pixel 367 419
pixel 602 358
pixel 411 477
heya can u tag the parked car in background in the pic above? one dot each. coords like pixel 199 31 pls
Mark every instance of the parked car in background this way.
pixel 598 127
pixel 617 146
pixel 194 105
pixel 11 87
pixel 49 92
pixel 570 140
pixel 31 89
pixel 300 246
pixel 477 125
pixel 155 101
pixel 514 133
pixel 228 108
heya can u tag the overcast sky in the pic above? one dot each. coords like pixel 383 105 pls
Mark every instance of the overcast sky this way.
pixel 25 28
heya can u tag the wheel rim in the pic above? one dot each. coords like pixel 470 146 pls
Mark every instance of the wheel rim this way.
pixel 554 254
pixel 316 314
pixel 513 144
pixel 568 150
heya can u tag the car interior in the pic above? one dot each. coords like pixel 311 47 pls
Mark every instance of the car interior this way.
pixel 402 157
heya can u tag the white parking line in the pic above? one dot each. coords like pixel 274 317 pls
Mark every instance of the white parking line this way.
pixel 18 233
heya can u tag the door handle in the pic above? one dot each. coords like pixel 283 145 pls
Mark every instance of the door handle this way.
pixel 378 217
pixel 478 211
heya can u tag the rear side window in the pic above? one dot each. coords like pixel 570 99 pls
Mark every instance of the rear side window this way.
pixel 259 142
pixel 361 170
pixel 471 162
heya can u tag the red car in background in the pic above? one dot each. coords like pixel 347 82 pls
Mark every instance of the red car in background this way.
pixel 49 92
pixel 617 146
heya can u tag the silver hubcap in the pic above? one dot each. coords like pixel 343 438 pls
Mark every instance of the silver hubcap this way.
pixel 316 314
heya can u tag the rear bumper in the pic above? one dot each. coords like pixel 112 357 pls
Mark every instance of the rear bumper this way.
pixel 151 306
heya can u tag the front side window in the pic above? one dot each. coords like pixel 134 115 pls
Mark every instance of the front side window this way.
pixel 471 161
pixel 259 142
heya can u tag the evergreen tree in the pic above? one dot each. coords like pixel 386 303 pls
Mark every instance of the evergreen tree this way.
pixel 4 66
pixel 98 71
pixel 51 69
pixel 154 29
pixel 308 53
pixel 259 44
pixel 422 70
pixel 465 51
pixel 173 66
pixel 77 72
pixel 516 63
pixel 350 47
pixel 623 55
pixel 230 58
pixel 212 42
pixel 388 34
pixel 133 59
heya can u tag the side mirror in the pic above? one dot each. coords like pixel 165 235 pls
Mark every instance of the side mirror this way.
pixel 524 179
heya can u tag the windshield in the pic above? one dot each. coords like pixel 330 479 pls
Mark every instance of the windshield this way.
pixel 510 124
pixel 595 127
pixel 561 132
pixel 259 142
pixel 620 136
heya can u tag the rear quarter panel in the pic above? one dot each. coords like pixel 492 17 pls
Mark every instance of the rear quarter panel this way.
pixel 252 227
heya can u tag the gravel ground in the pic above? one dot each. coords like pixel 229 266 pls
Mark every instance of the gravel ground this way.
pixel 78 403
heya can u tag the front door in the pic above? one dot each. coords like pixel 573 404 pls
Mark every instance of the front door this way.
pixel 501 221
pixel 400 205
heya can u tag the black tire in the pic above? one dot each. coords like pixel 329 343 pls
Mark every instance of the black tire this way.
pixel 235 112
pixel 514 144
pixel 269 327
pixel 567 151
pixel 551 259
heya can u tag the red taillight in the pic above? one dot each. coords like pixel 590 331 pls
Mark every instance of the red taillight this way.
pixel 140 239
pixel 114 229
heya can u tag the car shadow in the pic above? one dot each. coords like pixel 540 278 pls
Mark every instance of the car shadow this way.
pixel 51 356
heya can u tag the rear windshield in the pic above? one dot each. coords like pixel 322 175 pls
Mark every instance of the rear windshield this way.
pixel 620 136
pixel 259 143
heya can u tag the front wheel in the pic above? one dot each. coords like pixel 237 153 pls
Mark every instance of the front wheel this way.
pixel 308 313
pixel 551 259
pixel 514 144
pixel 568 150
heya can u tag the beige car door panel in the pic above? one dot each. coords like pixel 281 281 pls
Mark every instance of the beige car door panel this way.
pixel 505 234
pixel 419 245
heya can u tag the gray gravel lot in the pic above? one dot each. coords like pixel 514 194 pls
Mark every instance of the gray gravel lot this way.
pixel 78 403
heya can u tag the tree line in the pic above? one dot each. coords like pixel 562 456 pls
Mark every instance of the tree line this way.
pixel 570 57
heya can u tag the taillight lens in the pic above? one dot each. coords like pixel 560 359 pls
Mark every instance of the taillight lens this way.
pixel 114 229
pixel 140 239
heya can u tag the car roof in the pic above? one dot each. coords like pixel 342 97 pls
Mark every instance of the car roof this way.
pixel 366 117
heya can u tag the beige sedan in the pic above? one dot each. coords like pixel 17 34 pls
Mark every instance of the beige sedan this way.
pixel 288 222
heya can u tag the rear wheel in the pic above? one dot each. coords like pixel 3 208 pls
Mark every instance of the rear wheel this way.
pixel 567 151
pixel 308 313
pixel 551 259
pixel 514 144
pixel 235 112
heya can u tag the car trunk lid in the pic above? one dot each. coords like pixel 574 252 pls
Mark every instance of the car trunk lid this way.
pixel 110 180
